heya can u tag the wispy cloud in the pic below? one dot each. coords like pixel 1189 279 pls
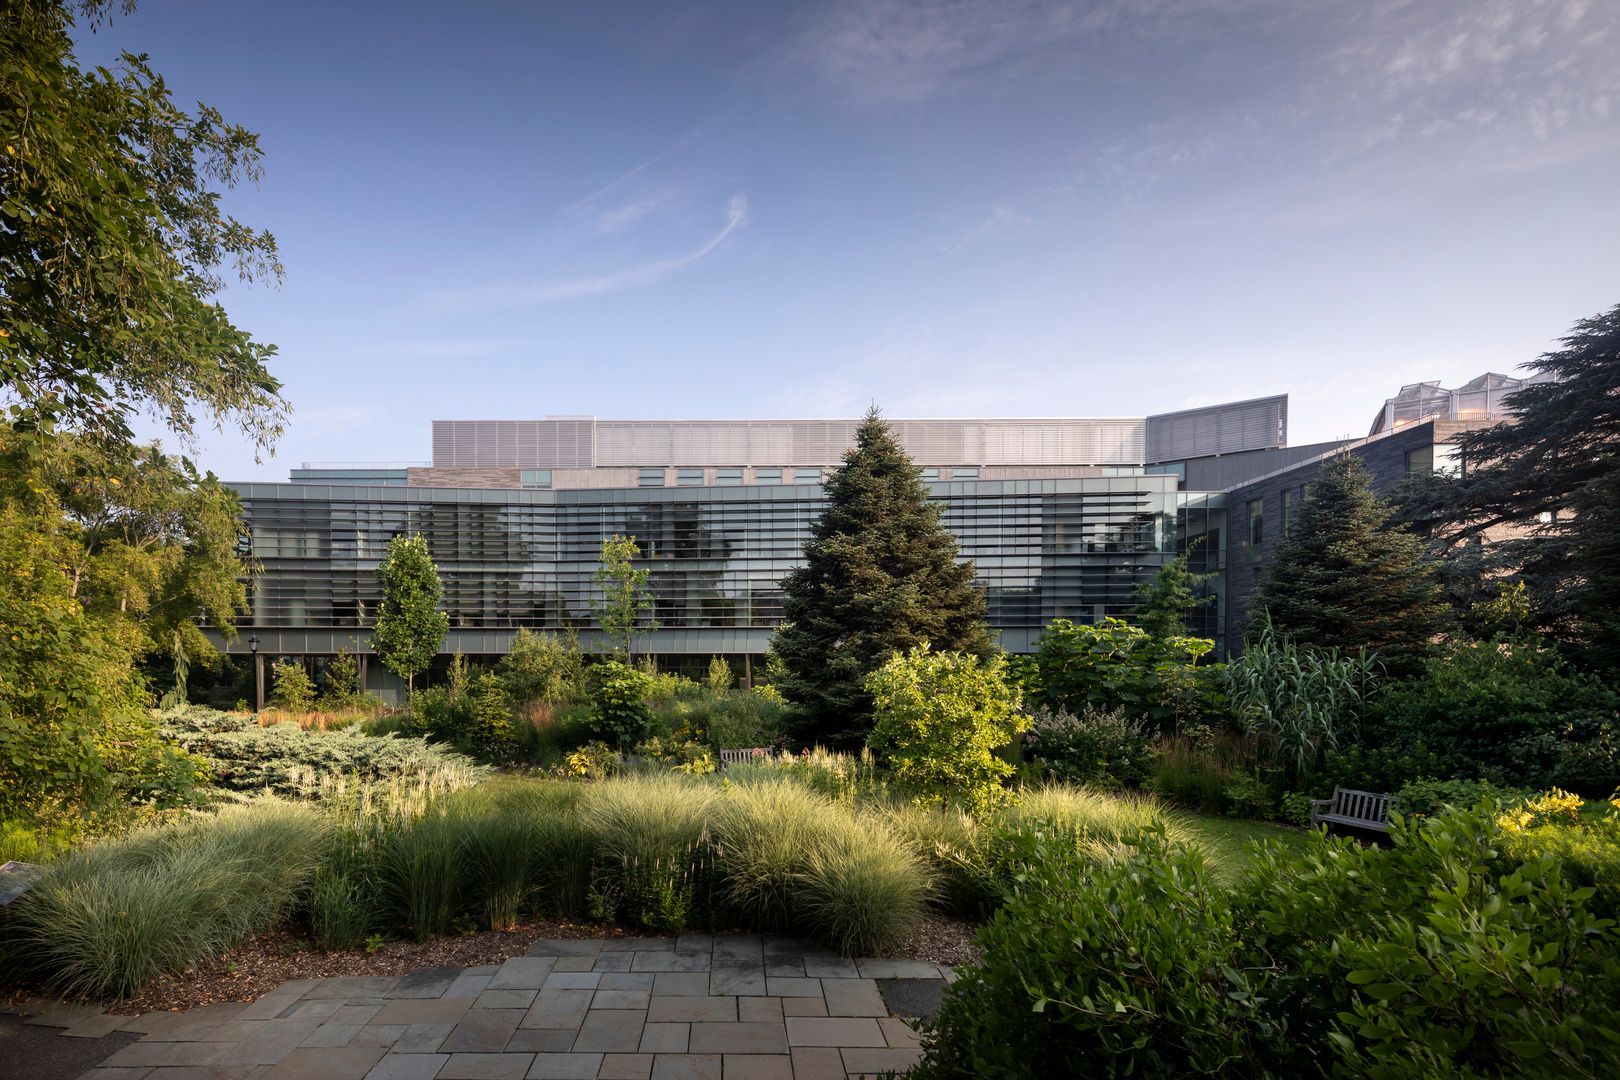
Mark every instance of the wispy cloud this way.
pixel 888 51
pixel 531 294
pixel 1003 220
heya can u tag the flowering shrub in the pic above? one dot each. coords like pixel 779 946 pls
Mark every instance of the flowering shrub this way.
pixel 1099 748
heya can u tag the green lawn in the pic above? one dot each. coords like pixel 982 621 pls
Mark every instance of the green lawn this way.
pixel 1228 840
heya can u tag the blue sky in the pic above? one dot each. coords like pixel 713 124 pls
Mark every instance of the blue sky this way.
pixel 973 207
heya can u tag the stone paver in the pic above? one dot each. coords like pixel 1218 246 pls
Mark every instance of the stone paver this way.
pixel 680 984
pixel 483 1031
pixel 558 1009
pixel 686 1067
pixel 860 1062
pixel 834 1031
pixel 408 1067
pixel 665 1038
pixel 542 1040
pixel 738 1039
pixel 714 1009
pixel 565 1066
pixel 817 1063
pixel 615 1031
pixel 853 997
pixel 487 1067
pixel 759 1010
pixel 727 1007
pixel 621 999
pixel 586 947
pixel 522 973
pixel 625 1067
pixel 757 1067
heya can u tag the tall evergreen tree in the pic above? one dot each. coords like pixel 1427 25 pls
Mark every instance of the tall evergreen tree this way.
pixel 1535 496
pixel 881 576
pixel 1345 576
pixel 410 627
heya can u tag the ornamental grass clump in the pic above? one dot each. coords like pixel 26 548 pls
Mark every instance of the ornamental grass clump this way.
pixel 862 887
pixel 649 835
pixel 498 827
pixel 422 869
pixel 110 917
pixel 765 832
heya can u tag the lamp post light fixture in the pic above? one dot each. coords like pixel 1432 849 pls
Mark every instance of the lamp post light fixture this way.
pixel 258 673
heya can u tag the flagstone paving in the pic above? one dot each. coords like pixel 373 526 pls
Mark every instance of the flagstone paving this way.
pixel 728 1007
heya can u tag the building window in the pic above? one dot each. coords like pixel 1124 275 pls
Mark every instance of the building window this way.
pixel 767 476
pixel 930 474
pixel 1287 509
pixel 650 478
pixel 728 477
pixel 807 476
pixel 1420 461
pixel 1257 532
pixel 536 478
pixel 689 477
pixel 965 472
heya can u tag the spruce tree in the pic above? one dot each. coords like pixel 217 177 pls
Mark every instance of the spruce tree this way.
pixel 881 576
pixel 1346 577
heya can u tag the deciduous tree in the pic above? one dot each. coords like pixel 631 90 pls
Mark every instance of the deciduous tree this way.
pixel 625 601
pixel 409 627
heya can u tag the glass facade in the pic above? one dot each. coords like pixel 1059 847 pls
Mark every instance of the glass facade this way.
pixel 1071 548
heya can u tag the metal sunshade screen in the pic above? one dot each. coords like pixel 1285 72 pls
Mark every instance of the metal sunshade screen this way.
pixel 564 443
pixel 1261 424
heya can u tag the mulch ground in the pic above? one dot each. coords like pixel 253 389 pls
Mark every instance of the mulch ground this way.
pixel 263 963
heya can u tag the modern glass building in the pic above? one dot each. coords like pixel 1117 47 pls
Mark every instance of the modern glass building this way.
pixel 1061 517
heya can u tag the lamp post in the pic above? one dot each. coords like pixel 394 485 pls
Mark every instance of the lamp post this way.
pixel 258 673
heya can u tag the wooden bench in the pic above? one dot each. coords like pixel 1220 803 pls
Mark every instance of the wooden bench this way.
pixel 1357 809
pixel 737 757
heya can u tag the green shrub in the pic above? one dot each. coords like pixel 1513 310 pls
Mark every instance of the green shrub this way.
pixel 341 682
pixel 288 760
pixel 688 757
pixel 1381 768
pixel 619 708
pixel 1130 965
pixel 1451 954
pixel 1424 798
pixel 290 687
pixel 1443 956
pixel 108 918
pixel 720 677
pixel 540 668
pixel 1295 808
pixel 1113 665
pixel 421 870
pixel 1589 852
pixel 1507 712
pixel 1098 748
pixel 938 720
